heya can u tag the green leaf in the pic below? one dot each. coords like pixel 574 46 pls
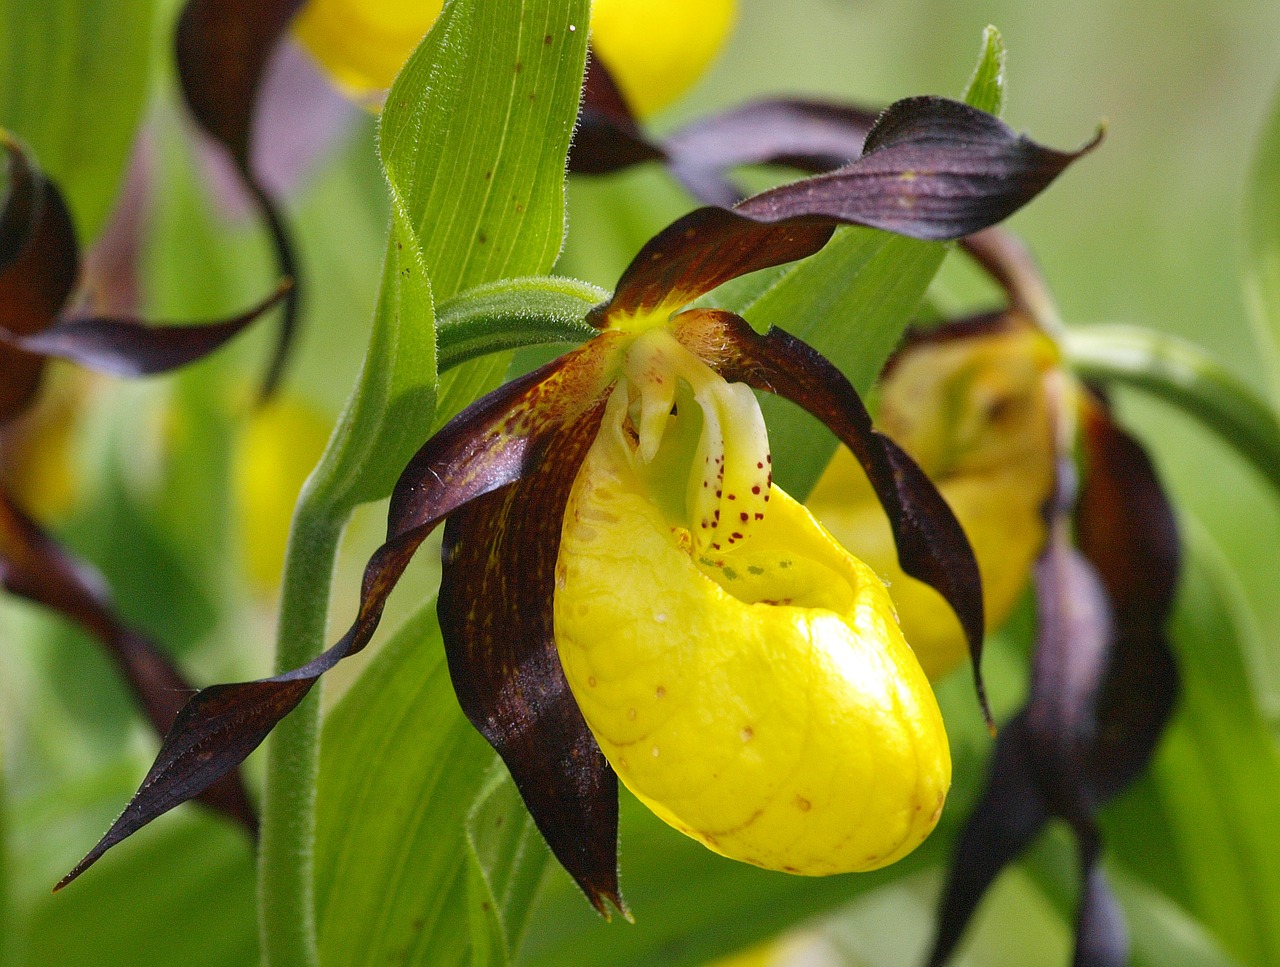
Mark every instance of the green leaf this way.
pixel 1181 373
pixel 485 191
pixel 188 888
pixel 514 313
pixel 386 417
pixel 474 140
pixel 852 302
pixel 73 80
pixel 506 857
pixel 986 90
pixel 400 770
pixel 1262 239
pixel 1218 769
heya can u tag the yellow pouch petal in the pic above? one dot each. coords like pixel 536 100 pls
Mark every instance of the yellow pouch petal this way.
pixel 762 701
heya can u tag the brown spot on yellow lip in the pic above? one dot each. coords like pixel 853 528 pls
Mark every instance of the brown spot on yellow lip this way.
pixel 803 804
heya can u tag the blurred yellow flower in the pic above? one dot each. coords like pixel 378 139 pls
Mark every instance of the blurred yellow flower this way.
pixel 278 449
pixel 655 49
pixel 974 412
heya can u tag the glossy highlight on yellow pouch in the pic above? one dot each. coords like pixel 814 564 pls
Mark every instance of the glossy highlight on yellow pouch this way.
pixel 759 698
pixel 655 49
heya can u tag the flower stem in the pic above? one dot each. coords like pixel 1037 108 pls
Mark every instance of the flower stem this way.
pixel 286 888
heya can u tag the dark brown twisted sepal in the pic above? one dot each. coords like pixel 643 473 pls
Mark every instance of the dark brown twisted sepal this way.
pixel 39 263
pixel 130 347
pixel 496 614
pixel 35 567
pixel 1104 684
pixel 931 169
pixel 492 443
pixel 932 546
pixel 222 49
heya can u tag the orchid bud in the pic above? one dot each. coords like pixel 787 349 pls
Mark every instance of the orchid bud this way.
pixel 974 413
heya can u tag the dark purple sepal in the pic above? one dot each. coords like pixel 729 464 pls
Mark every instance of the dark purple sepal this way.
pixel 932 169
pixel 1126 527
pixel 932 546
pixel 222 49
pixel 1104 682
pixel 496 614
pixel 494 442
pixel 35 567
pixel 1011 814
pixel 39 264
pixel 802 133
pixel 129 347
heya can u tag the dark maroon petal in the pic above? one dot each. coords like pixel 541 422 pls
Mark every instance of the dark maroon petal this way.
pixel 222 49
pixel 1074 637
pixel 932 546
pixel 810 135
pixel 39 263
pixel 1010 815
pixel 1126 527
pixel 127 347
pixel 496 614
pixel 1102 940
pixel 492 443
pixel 35 567
pixel 931 169
pixel 1104 681
pixel 608 138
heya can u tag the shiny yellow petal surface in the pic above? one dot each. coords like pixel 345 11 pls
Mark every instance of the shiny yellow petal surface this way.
pixel 762 702
pixel 364 43
pixel 656 49
pixel 974 413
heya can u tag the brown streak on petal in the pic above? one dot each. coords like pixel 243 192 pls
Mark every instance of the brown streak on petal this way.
pixel 496 615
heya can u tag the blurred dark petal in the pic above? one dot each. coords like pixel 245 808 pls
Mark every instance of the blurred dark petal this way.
pixel 35 567
pixel 1008 817
pixel 129 347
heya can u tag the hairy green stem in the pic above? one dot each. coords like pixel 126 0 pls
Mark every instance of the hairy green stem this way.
pixel 286 887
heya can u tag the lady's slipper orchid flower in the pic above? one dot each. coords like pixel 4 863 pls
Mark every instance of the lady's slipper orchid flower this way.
pixel 970 402
pixel 641 459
